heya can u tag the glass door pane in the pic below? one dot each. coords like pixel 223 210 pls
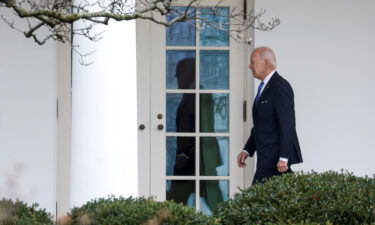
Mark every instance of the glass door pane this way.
pixel 180 156
pixel 214 113
pixel 214 69
pixel 183 33
pixel 180 69
pixel 214 18
pixel 214 156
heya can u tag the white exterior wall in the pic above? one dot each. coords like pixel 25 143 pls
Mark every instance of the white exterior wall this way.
pixel 104 117
pixel 27 119
pixel 326 51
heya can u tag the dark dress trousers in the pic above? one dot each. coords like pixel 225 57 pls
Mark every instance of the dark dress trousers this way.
pixel 274 132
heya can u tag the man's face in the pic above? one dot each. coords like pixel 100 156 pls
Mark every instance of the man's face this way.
pixel 257 66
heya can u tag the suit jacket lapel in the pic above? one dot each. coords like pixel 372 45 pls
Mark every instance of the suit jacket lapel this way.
pixel 265 91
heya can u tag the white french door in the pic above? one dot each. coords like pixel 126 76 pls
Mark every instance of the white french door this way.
pixel 197 88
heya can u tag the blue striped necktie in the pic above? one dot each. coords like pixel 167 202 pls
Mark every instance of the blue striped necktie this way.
pixel 259 91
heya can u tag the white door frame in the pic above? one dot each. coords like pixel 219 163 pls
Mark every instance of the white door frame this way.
pixel 143 35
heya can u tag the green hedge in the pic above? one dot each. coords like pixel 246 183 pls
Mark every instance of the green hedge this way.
pixel 120 211
pixel 304 198
pixel 19 213
pixel 328 198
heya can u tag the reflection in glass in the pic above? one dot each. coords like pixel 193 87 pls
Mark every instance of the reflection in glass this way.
pixel 180 112
pixel 180 69
pixel 181 191
pixel 181 33
pixel 214 70
pixel 214 156
pixel 212 192
pixel 180 156
pixel 214 18
pixel 214 113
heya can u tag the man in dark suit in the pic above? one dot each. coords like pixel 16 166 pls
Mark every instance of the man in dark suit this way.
pixel 273 135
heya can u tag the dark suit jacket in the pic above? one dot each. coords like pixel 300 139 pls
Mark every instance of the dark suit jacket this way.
pixel 274 133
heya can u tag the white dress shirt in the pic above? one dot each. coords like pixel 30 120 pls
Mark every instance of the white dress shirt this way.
pixel 265 81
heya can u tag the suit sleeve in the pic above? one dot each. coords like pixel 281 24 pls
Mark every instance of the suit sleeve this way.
pixel 284 108
pixel 250 144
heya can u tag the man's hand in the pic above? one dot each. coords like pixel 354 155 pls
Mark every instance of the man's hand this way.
pixel 241 159
pixel 282 166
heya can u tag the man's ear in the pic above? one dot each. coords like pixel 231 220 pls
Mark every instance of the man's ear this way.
pixel 266 63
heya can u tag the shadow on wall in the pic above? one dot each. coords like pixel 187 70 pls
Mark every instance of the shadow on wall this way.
pixel 10 186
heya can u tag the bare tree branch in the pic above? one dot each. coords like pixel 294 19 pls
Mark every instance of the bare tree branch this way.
pixel 57 17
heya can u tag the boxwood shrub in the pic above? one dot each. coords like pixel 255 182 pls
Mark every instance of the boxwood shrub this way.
pixel 19 213
pixel 134 211
pixel 304 198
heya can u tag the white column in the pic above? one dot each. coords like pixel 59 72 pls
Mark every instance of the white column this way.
pixel 104 117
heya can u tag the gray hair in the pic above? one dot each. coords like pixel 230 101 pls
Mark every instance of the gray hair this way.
pixel 267 53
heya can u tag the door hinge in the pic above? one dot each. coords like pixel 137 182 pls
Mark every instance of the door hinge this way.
pixel 244 9
pixel 56 211
pixel 57 109
pixel 244 110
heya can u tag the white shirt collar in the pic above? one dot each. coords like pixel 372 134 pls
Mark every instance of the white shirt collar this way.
pixel 268 77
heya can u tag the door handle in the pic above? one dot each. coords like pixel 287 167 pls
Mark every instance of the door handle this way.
pixel 142 127
pixel 160 127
